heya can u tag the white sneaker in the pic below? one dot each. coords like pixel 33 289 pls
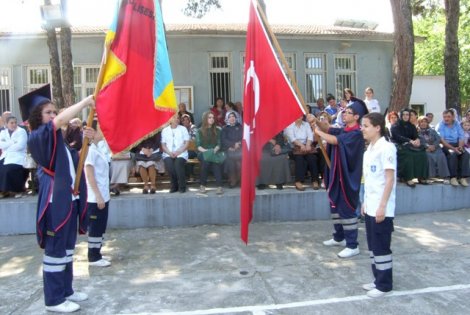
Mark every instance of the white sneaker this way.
pixel 219 191
pixel 462 182
pixel 374 293
pixel 202 189
pixel 446 182
pixel 368 286
pixel 66 307
pixel 348 252
pixel 332 242
pixel 77 297
pixel 454 182
pixel 100 263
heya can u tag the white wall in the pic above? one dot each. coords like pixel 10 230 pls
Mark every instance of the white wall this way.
pixel 429 91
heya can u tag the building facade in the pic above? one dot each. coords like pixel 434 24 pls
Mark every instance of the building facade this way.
pixel 208 60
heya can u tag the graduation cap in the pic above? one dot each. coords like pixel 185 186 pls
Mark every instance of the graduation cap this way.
pixel 33 99
pixel 359 107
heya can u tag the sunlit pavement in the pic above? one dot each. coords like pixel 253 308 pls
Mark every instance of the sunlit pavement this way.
pixel 285 269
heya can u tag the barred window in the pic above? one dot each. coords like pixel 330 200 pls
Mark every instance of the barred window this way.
pixel 220 76
pixel 315 72
pixel 84 80
pixel 345 74
pixel 38 76
pixel 5 89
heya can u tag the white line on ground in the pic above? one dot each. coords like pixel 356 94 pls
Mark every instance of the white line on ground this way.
pixel 258 309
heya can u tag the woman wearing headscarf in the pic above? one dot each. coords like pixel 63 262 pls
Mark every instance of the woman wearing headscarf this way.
pixel 412 160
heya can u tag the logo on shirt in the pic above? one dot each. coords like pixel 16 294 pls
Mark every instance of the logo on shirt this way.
pixel 373 168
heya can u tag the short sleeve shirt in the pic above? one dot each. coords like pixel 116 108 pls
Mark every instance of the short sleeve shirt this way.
pixel 378 158
pixel 174 138
pixel 100 165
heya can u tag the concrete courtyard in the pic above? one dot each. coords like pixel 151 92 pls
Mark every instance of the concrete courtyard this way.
pixel 284 270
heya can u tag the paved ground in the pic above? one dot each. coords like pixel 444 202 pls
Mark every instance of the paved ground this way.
pixel 284 270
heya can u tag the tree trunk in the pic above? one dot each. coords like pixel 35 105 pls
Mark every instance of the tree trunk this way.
pixel 403 58
pixel 67 66
pixel 55 64
pixel 55 68
pixel 451 55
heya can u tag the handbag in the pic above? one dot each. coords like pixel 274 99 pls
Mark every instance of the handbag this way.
pixel 214 157
pixel 29 162
pixel 157 156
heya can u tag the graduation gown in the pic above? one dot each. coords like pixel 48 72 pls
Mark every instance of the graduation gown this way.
pixel 48 149
pixel 343 179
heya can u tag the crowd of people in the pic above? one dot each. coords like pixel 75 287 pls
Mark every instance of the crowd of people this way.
pixel 426 152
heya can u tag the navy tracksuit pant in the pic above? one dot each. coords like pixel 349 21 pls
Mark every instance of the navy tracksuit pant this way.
pixel 97 222
pixel 379 238
pixel 345 224
pixel 58 259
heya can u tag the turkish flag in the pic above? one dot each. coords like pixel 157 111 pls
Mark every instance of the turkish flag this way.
pixel 270 105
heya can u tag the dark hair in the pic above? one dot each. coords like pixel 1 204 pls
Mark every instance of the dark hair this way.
pixel 414 112
pixel 376 119
pixel 448 111
pixel 330 97
pixel 427 114
pixel 35 117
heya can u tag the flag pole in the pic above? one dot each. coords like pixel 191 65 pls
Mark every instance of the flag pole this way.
pixel 91 115
pixel 290 75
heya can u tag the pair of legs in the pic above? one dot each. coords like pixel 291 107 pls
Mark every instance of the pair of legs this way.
pixel 57 265
pixel 97 222
pixel 216 169
pixel 304 162
pixel 458 163
pixel 379 238
pixel 149 177
pixel 176 169
pixel 345 226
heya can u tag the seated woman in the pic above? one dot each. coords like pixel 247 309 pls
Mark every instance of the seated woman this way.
pixel 231 139
pixel 274 164
pixel 208 144
pixel 146 157
pixel 192 154
pixel 13 141
pixel 121 165
pixel 175 139
pixel 300 136
pixel 437 161
pixel 412 160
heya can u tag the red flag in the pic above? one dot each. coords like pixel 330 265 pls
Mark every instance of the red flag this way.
pixel 269 106
pixel 137 96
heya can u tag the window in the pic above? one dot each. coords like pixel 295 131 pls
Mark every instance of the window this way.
pixel 290 59
pixel 184 94
pixel 38 76
pixel 84 83
pixel 220 76
pixel 315 72
pixel 419 108
pixel 84 80
pixel 5 90
pixel 345 74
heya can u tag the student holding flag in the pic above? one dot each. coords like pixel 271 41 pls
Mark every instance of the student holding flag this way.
pixel 59 211
pixel 343 178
